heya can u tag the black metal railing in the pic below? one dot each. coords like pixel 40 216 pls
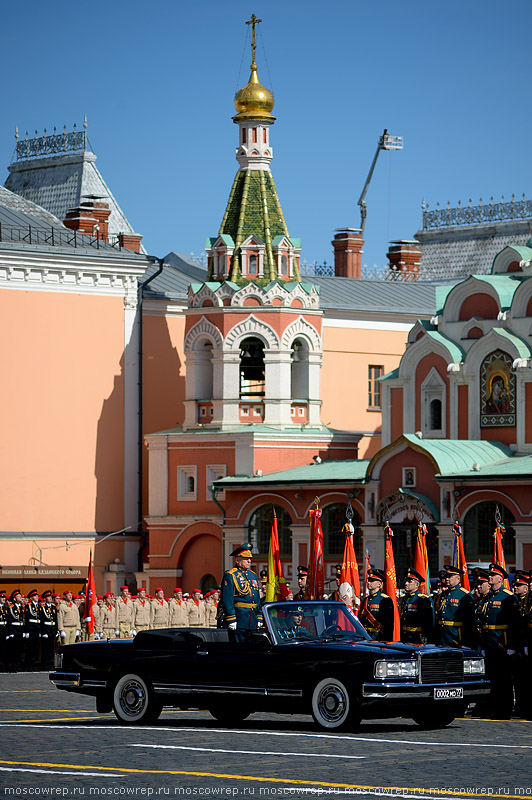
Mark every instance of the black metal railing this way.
pixel 477 215
pixel 53 237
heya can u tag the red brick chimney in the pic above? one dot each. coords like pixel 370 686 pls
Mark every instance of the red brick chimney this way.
pixel 90 217
pixel 130 241
pixel 405 256
pixel 348 243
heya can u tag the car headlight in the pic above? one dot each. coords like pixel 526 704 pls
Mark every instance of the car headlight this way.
pixel 474 666
pixel 58 660
pixel 396 669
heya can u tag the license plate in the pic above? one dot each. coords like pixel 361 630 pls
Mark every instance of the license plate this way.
pixel 449 694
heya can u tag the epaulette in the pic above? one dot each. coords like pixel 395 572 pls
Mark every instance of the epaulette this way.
pixel 422 595
pixel 507 591
pixel 385 595
pixel 232 571
pixel 464 590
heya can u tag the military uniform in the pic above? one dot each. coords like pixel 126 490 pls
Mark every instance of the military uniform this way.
pixel 521 661
pixel 68 621
pixel 195 610
pixel 108 617
pixel 159 612
pixel 141 614
pixel 455 616
pixel 48 625
pixel 4 633
pixel 376 612
pixel 303 593
pixel 417 614
pixel 211 610
pixel 526 649
pixel 97 612
pixel 499 639
pixel 16 632
pixel 32 628
pixel 124 613
pixel 336 594
pixel 240 598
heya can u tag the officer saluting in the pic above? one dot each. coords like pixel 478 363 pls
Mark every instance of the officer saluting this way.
pixel 240 598
pixel 455 613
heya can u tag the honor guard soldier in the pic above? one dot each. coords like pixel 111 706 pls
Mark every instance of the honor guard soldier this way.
pixel 417 611
pixel 211 608
pixel 526 649
pixel 338 574
pixel 68 619
pixel 124 614
pixel 177 610
pixel 16 630
pixel 455 613
pixel 196 610
pixel 97 612
pixel 108 616
pixel 48 624
pixel 376 613
pixel 302 578
pixel 141 612
pixel 4 632
pixel 159 612
pixel 499 639
pixel 521 663
pixel 32 625
pixel 240 595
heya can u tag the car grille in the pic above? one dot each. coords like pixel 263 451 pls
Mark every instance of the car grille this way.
pixel 444 667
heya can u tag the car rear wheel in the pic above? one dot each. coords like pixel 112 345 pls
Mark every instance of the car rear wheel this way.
pixel 332 706
pixel 434 717
pixel 229 714
pixel 134 702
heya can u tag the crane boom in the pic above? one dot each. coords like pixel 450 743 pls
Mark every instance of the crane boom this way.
pixel 386 142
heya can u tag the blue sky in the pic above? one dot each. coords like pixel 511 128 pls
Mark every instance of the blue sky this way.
pixel 157 81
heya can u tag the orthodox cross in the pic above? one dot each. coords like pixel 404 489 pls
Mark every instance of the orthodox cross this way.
pixel 253 21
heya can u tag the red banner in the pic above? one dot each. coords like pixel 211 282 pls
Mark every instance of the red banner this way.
pixel 349 572
pixel 316 578
pixel 90 598
pixel 459 559
pixel 498 550
pixel 390 586
pixel 421 560
pixel 276 588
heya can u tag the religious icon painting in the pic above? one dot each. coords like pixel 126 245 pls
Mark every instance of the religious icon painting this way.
pixel 497 391
pixel 409 476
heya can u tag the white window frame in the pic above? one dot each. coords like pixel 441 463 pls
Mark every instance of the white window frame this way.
pixel 433 388
pixel 183 474
pixel 213 473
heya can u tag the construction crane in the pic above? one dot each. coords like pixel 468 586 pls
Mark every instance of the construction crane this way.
pixel 386 142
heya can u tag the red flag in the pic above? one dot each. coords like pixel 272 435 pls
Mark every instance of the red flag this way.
pixel 421 560
pixel 90 597
pixel 349 572
pixel 316 576
pixel 498 550
pixel 276 588
pixel 390 586
pixel 365 577
pixel 459 559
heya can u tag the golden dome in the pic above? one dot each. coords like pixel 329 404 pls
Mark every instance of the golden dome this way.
pixel 253 101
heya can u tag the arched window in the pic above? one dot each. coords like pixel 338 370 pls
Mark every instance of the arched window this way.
pixel 299 370
pixel 260 528
pixel 203 369
pixel 191 484
pixel 252 264
pixel 208 582
pixel 284 265
pixel 479 526
pixel 252 370
pixel 435 414
pixel 333 519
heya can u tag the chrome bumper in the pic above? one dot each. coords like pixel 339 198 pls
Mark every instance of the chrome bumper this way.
pixel 420 691
pixel 65 678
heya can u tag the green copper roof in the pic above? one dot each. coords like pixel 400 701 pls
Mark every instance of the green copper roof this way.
pixel 516 467
pixel 327 472
pixel 253 209
pixel 454 349
pixel 520 345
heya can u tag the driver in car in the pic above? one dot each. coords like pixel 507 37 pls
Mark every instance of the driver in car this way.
pixel 294 629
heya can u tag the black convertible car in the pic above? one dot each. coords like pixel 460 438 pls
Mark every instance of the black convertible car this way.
pixel 321 661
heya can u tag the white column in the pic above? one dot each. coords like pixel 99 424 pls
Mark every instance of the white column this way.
pixel 277 365
pixel 158 476
pixel 131 406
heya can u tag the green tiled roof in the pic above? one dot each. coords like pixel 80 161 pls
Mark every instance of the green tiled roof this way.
pixel 515 467
pixel 345 471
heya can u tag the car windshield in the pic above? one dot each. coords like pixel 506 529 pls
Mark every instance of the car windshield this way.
pixel 312 620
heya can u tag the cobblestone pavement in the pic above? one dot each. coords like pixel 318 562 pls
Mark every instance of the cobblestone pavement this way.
pixel 55 744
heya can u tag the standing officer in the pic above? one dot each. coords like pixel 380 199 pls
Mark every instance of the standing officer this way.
pixel 211 608
pixel 455 613
pixel 338 574
pixel 521 664
pixel 417 611
pixel 141 612
pixel 68 619
pixel 4 632
pixel 240 595
pixel 48 624
pixel 124 614
pixel 159 611
pixel 499 639
pixel 177 609
pixel 302 578
pixel 32 625
pixel 196 610
pixel 108 617
pixel 16 630
pixel 376 613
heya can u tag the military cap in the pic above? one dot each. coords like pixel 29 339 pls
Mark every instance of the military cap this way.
pixel 264 574
pixel 45 594
pixel 56 594
pixel 480 575
pixel 338 568
pixel 178 589
pixel 124 587
pixel 413 573
pixel 301 571
pixel 3 592
pixel 196 591
pixel 242 551
pixel 376 575
pixel 108 594
pixel 450 569
pixel 521 578
pixel 33 593
pixel 13 595
pixel 496 569
pixel 67 591
pixel 159 589
pixel 297 611
pixel 99 597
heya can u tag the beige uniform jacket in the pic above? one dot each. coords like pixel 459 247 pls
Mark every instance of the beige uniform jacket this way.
pixel 124 612
pixel 211 611
pixel 196 613
pixel 178 613
pixel 141 613
pixel 159 614
pixel 97 611
pixel 108 618
pixel 68 616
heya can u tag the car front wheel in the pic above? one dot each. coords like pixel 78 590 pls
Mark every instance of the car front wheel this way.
pixel 134 702
pixel 332 706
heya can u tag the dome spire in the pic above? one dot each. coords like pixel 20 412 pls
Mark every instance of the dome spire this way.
pixel 253 101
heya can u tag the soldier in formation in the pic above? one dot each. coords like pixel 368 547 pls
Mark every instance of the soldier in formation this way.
pixel 376 612
pixel 455 613
pixel 416 612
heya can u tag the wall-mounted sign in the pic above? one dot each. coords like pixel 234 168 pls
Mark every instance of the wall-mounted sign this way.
pixel 43 573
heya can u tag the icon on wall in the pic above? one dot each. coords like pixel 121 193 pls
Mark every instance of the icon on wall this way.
pixel 409 476
pixel 497 391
